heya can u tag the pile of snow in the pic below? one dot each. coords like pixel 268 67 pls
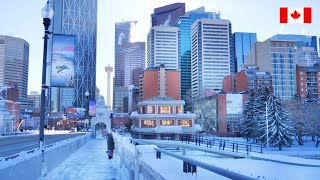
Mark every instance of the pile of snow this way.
pixel 168 129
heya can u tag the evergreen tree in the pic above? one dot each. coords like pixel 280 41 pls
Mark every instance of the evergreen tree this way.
pixel 248 125
pixel 279 125
pixel 260 109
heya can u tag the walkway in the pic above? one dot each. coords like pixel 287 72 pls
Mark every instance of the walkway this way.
pixel 89 162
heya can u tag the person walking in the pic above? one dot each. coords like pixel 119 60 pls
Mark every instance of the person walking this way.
pixel 110 146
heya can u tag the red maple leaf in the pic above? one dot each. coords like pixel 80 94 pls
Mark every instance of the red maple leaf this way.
pixel 295 15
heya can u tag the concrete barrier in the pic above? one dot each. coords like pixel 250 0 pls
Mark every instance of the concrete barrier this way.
pixel 29 165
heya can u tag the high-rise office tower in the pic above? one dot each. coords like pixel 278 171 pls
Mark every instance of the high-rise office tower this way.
pixel 79 18
pixel 242 46
pixel 133 57
pixel 162 47
pixel 210 55
pixel 108 70
pixel 122 36
pixel 167 15
pixel 14 65
pixel 184 61
pixel 278 58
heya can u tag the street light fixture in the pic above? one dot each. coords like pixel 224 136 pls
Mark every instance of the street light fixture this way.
pixel 47 14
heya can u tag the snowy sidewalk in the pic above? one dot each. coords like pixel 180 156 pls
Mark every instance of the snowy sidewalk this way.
pixel 89 162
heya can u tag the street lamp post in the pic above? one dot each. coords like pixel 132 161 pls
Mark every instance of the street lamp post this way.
pixel 87 98
pixel 267 124
pixel 47 14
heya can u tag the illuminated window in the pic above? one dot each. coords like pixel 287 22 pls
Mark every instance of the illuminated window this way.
pixel 179 109
pixel 148 123
pixel 167 122
pixel 165 109
pixel 150 110
pixel 186 123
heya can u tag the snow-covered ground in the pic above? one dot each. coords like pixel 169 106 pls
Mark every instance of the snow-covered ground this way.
pixel 258 168
pixel 89 162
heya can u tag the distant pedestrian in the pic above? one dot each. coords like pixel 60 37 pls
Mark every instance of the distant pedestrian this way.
pixel 110 146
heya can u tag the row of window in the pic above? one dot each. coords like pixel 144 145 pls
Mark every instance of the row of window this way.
pixel 153 123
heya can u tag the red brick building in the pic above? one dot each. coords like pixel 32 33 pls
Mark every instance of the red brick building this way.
pixel 160 82
pixel 230 109
pixel 308 81
pixel 249 78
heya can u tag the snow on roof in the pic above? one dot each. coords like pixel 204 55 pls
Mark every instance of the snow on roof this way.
pixel 168 129
pixel 197 127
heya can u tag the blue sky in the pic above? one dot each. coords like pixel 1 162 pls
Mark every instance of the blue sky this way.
pixel 22 18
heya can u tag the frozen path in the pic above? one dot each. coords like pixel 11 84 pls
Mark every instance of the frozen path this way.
pixel 89 162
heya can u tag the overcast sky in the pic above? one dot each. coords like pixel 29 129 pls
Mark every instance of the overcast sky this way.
pixel 22 18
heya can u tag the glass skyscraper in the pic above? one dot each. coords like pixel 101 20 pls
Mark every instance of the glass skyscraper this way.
pixel 242 46
pixel 184 62
pixel 301 40
pixel 167 15
pixel 79 18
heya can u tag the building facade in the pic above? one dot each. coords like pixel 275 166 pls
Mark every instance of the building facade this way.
pixel 210 55
pixel 133 57
pixel 301 40
pixel 35 97
pixel 308 81
pixel 167 15
pixel 162 47
pixel 79 18
pixel 162 118
pixel 161 82
pixel 122 36
pixel 184 62
pixel 14 65
pixel 276 57
pixel 242 46
pixel 245 80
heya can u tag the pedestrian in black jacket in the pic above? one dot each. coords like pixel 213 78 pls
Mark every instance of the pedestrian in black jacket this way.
pixel 110 146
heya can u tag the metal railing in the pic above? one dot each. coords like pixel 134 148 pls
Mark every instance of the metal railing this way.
pixel 221 144
pixel 190 166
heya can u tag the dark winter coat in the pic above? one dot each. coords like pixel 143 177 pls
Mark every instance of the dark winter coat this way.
pixel 110 142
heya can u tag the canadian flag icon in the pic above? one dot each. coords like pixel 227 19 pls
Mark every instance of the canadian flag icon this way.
pixel 295 15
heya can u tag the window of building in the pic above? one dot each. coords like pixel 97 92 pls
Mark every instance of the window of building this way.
pixel 301 78
pixel 185 123
pixel 167 122
pixel 148 123
pixel 179 109
pixel 301 89
pixel 301 84
pixel 165 110
pixel 151 110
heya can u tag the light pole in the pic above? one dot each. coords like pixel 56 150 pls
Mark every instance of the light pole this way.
pixel 47 14
pixel 267 124
pixel 87 98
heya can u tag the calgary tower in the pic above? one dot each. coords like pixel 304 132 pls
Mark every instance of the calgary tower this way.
pixel 108 70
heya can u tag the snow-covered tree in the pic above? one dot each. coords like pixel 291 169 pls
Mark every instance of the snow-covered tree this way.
pixel 279 125
pixel 248 126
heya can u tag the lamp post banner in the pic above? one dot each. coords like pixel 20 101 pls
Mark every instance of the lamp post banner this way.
pixel 63 58
pixel 92 108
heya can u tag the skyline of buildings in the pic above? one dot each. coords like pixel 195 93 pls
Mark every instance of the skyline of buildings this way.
pixel 79 18
pixel 184 62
